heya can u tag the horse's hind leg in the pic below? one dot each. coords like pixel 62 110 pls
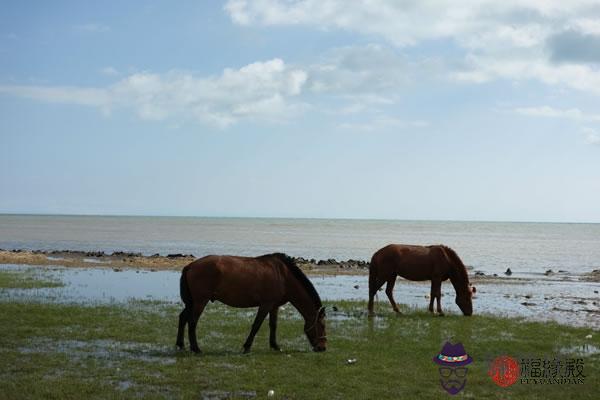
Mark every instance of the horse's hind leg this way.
pixel 273 328
pixel 183 318
pixel 193 322
pixel 263 310
pixel 389 290
pixel 374 285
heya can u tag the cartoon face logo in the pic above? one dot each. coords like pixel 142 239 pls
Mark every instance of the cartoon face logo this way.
pixel 452 361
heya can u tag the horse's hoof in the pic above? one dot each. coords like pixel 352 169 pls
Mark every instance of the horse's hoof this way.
pixel 275 348
pixel 246 350
pixel 441 314
pixel 196 351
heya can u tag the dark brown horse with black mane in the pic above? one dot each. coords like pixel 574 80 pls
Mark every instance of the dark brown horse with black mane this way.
pixel 420 263
pixel 266 282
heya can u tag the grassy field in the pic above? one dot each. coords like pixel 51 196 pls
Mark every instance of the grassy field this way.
pixel 26 279
pixel 64 351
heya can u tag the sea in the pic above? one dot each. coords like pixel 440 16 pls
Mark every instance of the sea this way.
pixel 490 247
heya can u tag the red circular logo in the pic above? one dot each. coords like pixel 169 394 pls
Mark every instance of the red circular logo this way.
pixel 504 371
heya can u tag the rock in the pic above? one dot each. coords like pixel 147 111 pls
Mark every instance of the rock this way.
pixel 356 286
pixel 495 275
pixel 508 272
pixel 528 304
pixel 177 255
pixel 479 273
pixel 549 272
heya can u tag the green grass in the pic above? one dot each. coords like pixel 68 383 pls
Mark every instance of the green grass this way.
pixel 26 279
pixel 55 351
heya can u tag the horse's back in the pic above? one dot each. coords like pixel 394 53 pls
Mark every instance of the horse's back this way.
pixel 412 262
pixel 235 281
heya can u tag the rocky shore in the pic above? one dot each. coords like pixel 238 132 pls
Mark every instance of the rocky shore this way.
pixel 121 259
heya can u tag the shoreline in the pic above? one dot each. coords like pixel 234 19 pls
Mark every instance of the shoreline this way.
pixel 132 260
pixel 119 260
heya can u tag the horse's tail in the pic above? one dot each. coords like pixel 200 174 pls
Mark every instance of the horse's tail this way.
pixel 373 272
pixel 372 275
pixel 184 290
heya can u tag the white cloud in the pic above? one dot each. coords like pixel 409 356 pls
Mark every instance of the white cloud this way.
pixel 109 71
pixel 573 114
pixel 368 69
pixel 383 123
pixel 64 94
pixel 509 39
pixel 261 90
pixel 92 27
pixel 551 112
pixel 592 136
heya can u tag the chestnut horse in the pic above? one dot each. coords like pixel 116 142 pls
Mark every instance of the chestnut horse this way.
pixel 266 282
pixel 420 263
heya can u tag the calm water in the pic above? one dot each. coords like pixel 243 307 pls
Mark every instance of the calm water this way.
pixel 571 302
pixel 488 246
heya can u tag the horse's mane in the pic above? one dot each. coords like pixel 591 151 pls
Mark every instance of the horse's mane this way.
pixel 297 272
pixel 459 267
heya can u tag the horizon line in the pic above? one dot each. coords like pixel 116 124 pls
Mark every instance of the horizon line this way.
pixel 299 218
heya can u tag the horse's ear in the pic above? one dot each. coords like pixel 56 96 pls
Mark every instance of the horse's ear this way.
pixel 322 312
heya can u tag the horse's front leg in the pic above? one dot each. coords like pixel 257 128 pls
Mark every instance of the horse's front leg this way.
pixel 432 296
pixel 437 288
pixel 263 310
pixel 273 328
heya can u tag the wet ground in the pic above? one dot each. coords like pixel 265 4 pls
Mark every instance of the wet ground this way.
pixel 563 298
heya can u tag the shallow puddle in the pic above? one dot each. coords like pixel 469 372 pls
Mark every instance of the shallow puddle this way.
pixel 572 302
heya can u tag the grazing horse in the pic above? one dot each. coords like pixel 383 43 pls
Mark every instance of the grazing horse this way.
pixel 420 263
pixel 266 282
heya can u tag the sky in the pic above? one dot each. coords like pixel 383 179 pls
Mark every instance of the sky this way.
pixel 434 110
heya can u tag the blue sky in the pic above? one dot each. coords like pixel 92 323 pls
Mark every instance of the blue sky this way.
pixel 458 110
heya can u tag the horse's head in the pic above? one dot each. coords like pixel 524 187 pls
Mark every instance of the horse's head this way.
pixel 315 331
pixel 464 300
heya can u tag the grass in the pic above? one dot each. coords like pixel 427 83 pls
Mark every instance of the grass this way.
pixel 27 279
pixel 66 351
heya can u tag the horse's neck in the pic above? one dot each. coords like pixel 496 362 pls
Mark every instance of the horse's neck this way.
pixel 301 300
pixel 460 285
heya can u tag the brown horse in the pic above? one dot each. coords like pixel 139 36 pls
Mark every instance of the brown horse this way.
pixel 266 282
pixel 420 263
